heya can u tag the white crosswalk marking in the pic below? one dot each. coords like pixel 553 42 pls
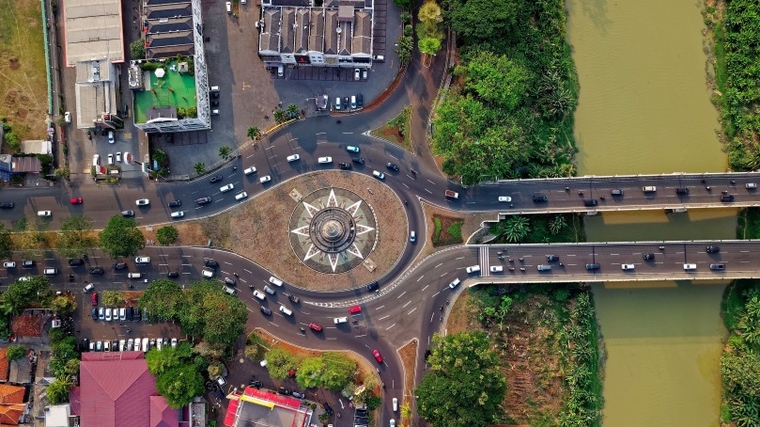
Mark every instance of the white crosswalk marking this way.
pixel 484 267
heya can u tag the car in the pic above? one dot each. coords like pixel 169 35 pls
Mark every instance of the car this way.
pixel 122 345
pixel 328 409
pixel 99 346
pixel 392 166
pixel 337 104
pixel 472 269
pixel 50 271
pixel 377 355
pixel 127 214
pixel 85 345
pixel 626 267
pixel 354 310
pixel 226 188
pixel 7 205
pixel 88 288
pixel 357 74
pixel 94 298
pixel 97 271
pixel 682 191
pixel 44 214
pixel 590 202
pixel 138 341
pixel 496 269
pixel 552 258
pixel 689 267
pixel 76 201
pixel 286 310
pixel 592 267
pixel 241 195
pixel 175 203
pixel 250 171
pixel 95 159
pixel 207 273
pixel 324 160
pixel 540 198
pixel 265 310
pixel 321 102
pixel 544 267
pixel 344 165
pixel 134 276
pixel 726 198
pixel 136 316
pixel 717 267
pixel 126 157
pixel 108 314
pixel 345 101
pixel 357 160
pixel 294 299
pixel 649 189
pixel 142 202
pixel 293 158
pixel 67 117
pixel 230 281
pixel 9 264
pixel 130 344
pixel 110 159
pixel 392 422
pixel 142 260
pixel 257 384
pixel 352 149
pixel 339 320
pixel 120 266
pixel 118 157
pixel 506 199
pixel 259 295
pixel 145 343
pixel 378 175
pixel 395 404
pixel 617 192
pixel 314 327
pixel 208 262
pixel 283 391
pixel 298 395
pixel 455 283
pixel 712 249
pixel 648 256
pixel 203 200
pixel 216 178
pixel 111 139
pixel 275 281
pixel 178 214
pixel 412 236
pixel 102 313
pixel 265 179
pixel 76 261
pixel 172 274
pixel 372 287
pixel 27 263
pixel 359 97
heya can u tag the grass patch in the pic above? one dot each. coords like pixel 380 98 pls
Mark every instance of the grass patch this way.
pixel 23 87
pixel 447 231
pixel 550 228
pixel 396 130
pixel 748 224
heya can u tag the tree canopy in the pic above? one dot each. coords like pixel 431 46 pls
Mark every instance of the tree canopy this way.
pixel 167 235
pixel 464 386
pixel 24 292
pixel 332 371
pixel 163 299
pixel 178 377
pixel 121 237
pixel 6 244
pixel 16 352
pixel 279 363
pixel 75 237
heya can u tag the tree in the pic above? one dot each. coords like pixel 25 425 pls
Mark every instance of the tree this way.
pixel 24 292
pixel 464 386
pixel 121 237
pixel 58 391
pixel 167 235
pixel 254 132
pixel 63 305
pixel 161 362
pixel 30 242
pixel 497 79
pixel 16 352
pixel 137 49
pixel 339 371
pixel 429 45
pixel 64 350
pixel 309 374
pixel 75 236
pixel 111 298
pixel 279 363
pixel 200 168
pixel 515 228
pixel 163 299
pixel 279 116
pixel 557 224
pixel 483 21
pixel 180 385
pixel 13 141
pixel 225 318
pixel 6 244
pixel 292 111
pixel 224 152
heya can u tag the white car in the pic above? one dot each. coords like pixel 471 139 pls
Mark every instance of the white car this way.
pixel 250 170
pixel 352 148
pixel 339 320
pixel 293 158
pixel 108 314
pixel 145 343
pixel 174 343
pixel 44 213
pixel 472 269
pixel 178 214
pixel 227 188
pixel 122 345
pixel 265 178
pixel 96 159
pixel 208 273
pixel 110 159
pixel 118 157
pixel 9 264
pixel 627 266
pixel 357 74
pixel 395 404
pixel 159 344
pixel 378 175
pixel 137 344
pixel 142 260
pixel 67 117
pixel 506 199
pixel 412 237
pixel 496 269
pixel 142 202
pixel 134 275
pixel 88 288
pixel 240 196
pixel 455 283
pixel 275 281
pixel 111 139
pixel 259 295
pixel 324 160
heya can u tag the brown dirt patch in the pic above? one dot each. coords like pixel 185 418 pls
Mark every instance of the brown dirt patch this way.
pixel 408 354
pixel 471 224
pixel 258 230
pixel 444 237
pixel 460 318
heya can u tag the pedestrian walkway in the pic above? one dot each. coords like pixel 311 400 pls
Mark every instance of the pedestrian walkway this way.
pixel 483 260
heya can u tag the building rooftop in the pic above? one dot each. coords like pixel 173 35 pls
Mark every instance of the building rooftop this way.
pixel 264 409
pixel 92 30
pixel 4 364
pixel 168 28
pixel 26 325
pixel 174 90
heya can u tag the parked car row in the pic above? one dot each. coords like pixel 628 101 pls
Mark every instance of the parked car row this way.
pixel 123 314
pixel 131 344
pixel 346 103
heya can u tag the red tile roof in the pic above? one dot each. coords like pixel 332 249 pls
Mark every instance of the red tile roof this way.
pixel 4 364
pixel 11 394
pixel 10 414
pixel 116 389
pixel 27 326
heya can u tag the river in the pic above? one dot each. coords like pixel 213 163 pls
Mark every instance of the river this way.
pixel 644 108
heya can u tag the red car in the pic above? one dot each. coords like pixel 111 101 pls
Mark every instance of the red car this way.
pixel 377 355
pixel 355 309
pixel 316 328
pixel 94 298
pixel 76 201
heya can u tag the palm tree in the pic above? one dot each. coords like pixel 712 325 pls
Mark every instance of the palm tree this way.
pixel 224 152
pixel 557 224
pixel 516 228
pixel 292 111
pixel 254 132
pixel 200 168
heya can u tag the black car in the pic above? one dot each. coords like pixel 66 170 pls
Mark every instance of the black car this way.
pixel 75 262
pixel 85 344
pixel 361 413
pixel 136 316
pixel 172 274
pixel 266 310
pixel 128 214
pixel 115 345
pixel 208 262
pixel 358 160
pixel 216 178
pixel 120 266
pixel 27 263
pixel 230 281
pixel 175 203
pixel 97 271
pixel 682 191
pixel 361 421
pixel 283 391
pixel 552 258
pixel 94 313
pixel 617 192
pixel 648 256
pixel 540 198
pixel 328 409
pixel 592 267
pixel 392 166
pixel 712 249
pixel 7 205
pixel 214 103
pixel 256 384
pixel 215 94
pixel 203 200
pixel 373 287
pixel 130 313
pixel 718 267
pixel 344 166
pixel 726 198
pixel 590 202
pixel 294 299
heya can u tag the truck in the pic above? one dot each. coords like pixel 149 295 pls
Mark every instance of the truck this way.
pixel 451 194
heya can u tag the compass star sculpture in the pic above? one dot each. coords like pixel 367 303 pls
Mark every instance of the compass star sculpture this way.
pixel 332 230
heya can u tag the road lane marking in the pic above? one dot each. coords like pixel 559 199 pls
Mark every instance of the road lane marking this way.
pixel 432 316
pixel 415 308
pixel 421 279
pixel 436 294
pixel 431 182
pixel 426 286
pixel 227 262
pixel 448 272
pixel 331 339
pixel 247 271
pixel 348 133
pixel 361 336
pixel 321 133
pixel 428 191
pixel 384 317
pixel 390 326
pixel 461 257
pixel 407 303
pixel 381 307
pixel 404 293
pixel 404 184
pixel 438 265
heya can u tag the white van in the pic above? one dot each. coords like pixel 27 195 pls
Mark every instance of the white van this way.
pixel 649 189
pixel 50 271
pixel 275 281
pixel 259 295
pixel 395 405
pixel 690 267
pixel 229 7
pixel 134 275
pixel 286 310
pixel 269 290
pixel 339 320
pixel 280 70
pixel 207 273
